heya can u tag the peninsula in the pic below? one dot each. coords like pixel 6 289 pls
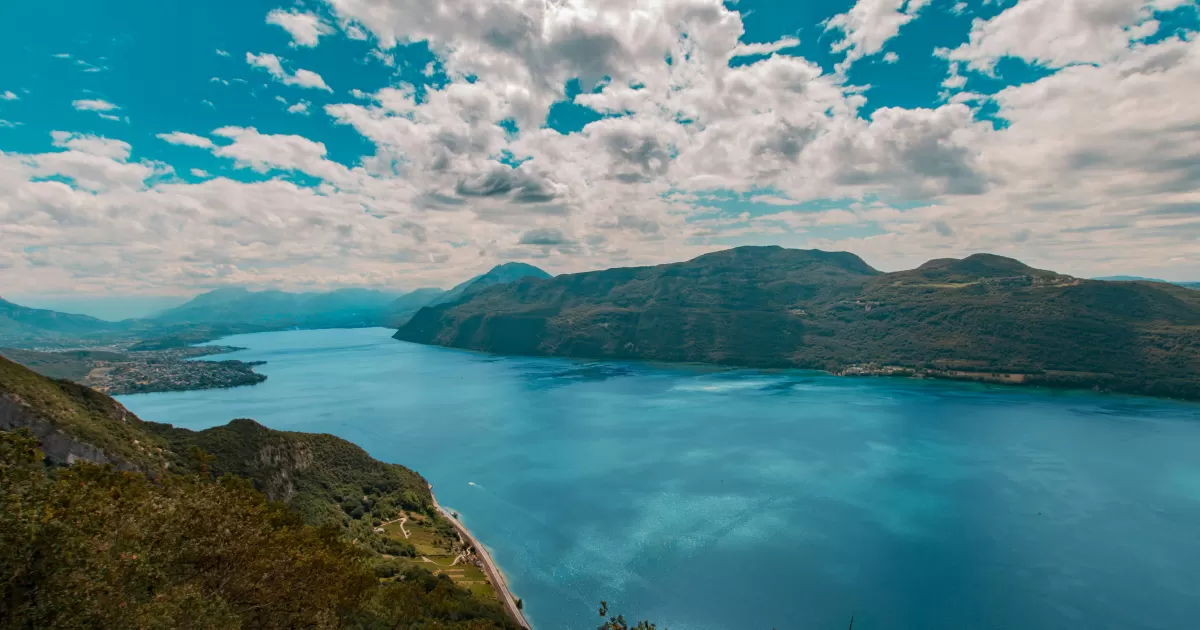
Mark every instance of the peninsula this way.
pixel 119 371
pixel 771 307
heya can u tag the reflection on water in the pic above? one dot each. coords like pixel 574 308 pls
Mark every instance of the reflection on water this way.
pixel 716 498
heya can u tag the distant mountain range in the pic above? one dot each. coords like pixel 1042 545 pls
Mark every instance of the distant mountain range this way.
pixel 984 317
pixel 1190 285
pixel 343 308
pixel 236 310
pixel 21 324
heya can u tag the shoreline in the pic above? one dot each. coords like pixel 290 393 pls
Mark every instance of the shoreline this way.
pixel 490 568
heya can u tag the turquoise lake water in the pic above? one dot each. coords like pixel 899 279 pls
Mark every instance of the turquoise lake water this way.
pixel 703 499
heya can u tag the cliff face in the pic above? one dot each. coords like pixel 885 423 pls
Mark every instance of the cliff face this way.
pixel 773 307
pixel 60 448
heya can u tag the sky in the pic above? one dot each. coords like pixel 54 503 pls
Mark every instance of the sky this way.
pixel 156 149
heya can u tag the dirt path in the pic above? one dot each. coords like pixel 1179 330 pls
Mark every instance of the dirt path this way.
pixel 402 520
pixel 489 567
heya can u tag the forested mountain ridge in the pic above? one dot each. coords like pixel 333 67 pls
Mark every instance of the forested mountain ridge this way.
pixel 181 534
pixel 500 274
pixel 984 316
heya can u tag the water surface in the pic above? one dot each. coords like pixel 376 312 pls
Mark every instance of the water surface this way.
pixel 705 499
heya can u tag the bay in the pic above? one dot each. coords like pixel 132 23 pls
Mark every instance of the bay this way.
pixel 703 498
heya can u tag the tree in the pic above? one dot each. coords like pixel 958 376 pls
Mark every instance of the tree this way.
pixel 88 546
pixel 618 622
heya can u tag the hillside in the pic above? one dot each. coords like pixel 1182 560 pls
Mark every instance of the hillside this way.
pixel 186 537
pixel 500 274
pixel 404 307
pixel 984 317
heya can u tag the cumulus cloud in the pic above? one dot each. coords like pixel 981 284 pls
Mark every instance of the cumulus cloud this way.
pixel 306 29
pixel 8 95
pixel 1089 170
pixel 186 139
pixel 93 105
pixel 274 65
pixel 1058 33
pixel 745 50
pixel 870 24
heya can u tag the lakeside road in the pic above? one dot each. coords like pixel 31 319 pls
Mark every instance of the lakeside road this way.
pixel 489 566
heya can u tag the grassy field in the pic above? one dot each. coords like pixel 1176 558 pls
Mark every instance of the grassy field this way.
pixel 440 551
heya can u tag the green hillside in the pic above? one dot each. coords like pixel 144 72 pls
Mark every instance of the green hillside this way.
pixel 236 526
pixel 980 317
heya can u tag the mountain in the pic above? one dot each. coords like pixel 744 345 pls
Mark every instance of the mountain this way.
pixel 23 325
pixel 344 308
pixel 500 274
pixel 1190 285
pixel 405 306
pixel 1127 279
pixel 984 316
pixel 234 526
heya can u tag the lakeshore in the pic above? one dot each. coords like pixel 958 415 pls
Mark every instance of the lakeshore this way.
pixel 652 486
pixel 489 566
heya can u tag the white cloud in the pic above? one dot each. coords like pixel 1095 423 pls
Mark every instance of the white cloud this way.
pixel 891 57
pixel 870 24
pixel 198 172
pixel 1058 33
pixel 8 95
pixel 186 139
pixel 743 50
pixel 354 32
pixel 299 108
pixel 223 53
pixel 274 65
pixel 306 29
pixel 92 145
pixel 93 105
pixel 1093 169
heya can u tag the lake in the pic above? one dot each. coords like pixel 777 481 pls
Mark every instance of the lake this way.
pixel 702 498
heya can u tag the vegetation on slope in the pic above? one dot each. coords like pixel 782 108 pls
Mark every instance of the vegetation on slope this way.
pixel 326 479
pixel 236 526
pixel 774 307
pixel 81 414
pixel 87 546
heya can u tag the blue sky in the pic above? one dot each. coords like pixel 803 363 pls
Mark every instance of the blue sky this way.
pixel 165 148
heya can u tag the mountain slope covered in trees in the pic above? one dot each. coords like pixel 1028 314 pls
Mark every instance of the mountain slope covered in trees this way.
pixel 236 526
pixel 983 316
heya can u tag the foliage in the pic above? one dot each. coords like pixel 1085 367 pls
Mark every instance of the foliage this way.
pixel 82 413
pixel 618 622
pixel 87 546
pixel 72 365
pixel 770 307
pixel 326 479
